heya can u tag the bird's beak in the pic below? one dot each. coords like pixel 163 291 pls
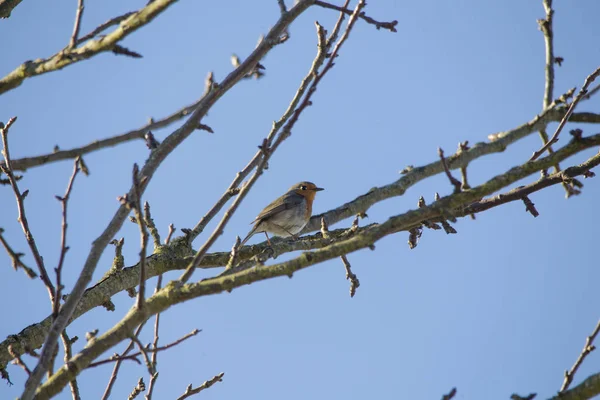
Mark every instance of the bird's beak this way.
pixel 318 189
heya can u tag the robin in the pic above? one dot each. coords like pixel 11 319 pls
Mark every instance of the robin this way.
pixel 288 214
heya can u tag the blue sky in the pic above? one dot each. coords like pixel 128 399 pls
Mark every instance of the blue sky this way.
pixel 504 306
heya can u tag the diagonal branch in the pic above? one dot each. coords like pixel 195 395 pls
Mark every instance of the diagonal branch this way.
pixel 590 78
pixel 77 25
pixel 177 255
pixel 6 7
pixel 154 161
pixel 70 56
pixel 587 349
pixel 22 164
pixel 22 218
pixel 175 293
pixel 267 150
pixel 190 391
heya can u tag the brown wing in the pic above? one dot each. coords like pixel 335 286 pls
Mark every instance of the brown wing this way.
pixel 287 201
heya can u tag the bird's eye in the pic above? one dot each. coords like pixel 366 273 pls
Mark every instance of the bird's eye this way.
pixel 303 187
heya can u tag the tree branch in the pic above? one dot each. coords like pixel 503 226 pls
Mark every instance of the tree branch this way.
pixel 391 26
pixel 154 161
pixel 564 120
pixel 175 293
pixel 6 7
pixel 70 56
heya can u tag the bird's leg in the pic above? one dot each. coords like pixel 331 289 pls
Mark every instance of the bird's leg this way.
pixel 293 236
pixel 268 240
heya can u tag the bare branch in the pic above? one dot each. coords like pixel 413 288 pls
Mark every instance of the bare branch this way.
pixel 455 182
pixel 354 282
pixel 139 388
pixel 144 353
pixel 16 258
pixel 587 349
pixel 106 25
pixel 7 170
pixel 587 389
pixel 6 7
pixel 63 238
pixel 564 120
pixel 167 261
pixel 115 371
pixel 93 47
pixel 158 155
pixel 29 162
pixel 136 205
pixel 267 150
pixel 154 361
pixel 170 234
pixel 143 350
pixel 76 26
pixel 233 189
pixel 18 361
pixel 282 6
pixel 68 347
pixel 450 394
pixel 192 391
pixel 151 226
pixel 177 293
pixel 546 28
pixel 391 26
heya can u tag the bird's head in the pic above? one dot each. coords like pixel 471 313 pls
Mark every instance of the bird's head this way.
pixel 306 189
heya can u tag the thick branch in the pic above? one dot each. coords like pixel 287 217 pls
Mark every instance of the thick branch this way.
pixel 178 254
pixel 499 142
pixel 6 7
pixel 176 293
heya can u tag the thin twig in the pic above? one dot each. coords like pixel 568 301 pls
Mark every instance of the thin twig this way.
pixel 170 234
pixel 587 349
pixel 564 120
pixel 18 360
pixel 189 391
pixel 75 34
pixel 154 377
pixel 450 394
pixel 546 27
pixel 7 170
pixel 63 238
pixel 234 253
pixel 22 164
pixel 151 226
pixel 139 388
pixel 144 353
pixel 115 371
pixel 68 346
pixel 136 205
pixel 105 25
pixel 153 350
pixel 282 6
pixel 354 282
pixel 16 258
pixel 455 182
pixel 391 26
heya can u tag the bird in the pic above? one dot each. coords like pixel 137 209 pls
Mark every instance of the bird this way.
pixel 288 214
